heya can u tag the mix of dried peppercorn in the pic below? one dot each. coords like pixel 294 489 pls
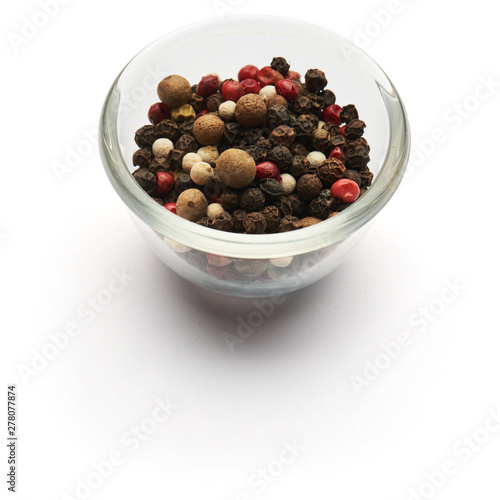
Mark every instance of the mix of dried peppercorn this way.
pixel 265 153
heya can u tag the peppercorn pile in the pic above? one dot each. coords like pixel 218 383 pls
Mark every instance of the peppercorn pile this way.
pixel 265 153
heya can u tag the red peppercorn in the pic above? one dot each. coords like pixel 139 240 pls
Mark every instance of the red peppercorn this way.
pixel 268 170
pixel 231 90
pixel 268 76
pixel 288 89
pixel 251 86
pixel 342 131
pixel 248 71
pixel 208 85
pixel 158 112
pixel 164 182
pixel 337 153
pixel 293 75
pixel 202 112
pixel 345 190
pixel 332 114
pixel 171 207
pixel 215 198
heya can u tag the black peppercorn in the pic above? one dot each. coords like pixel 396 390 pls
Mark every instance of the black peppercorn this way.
pixel 366 178
pixel 182 183
pixel 331 170
pixel 302 105
pixel 303 130
pixel 160 164
pixel 281 156
pixel 298 149
pixel 312 118
pixel 272 216
pixel 283 134
pixel 230 199
pixel 187 143
pixel 309 186
pixel 315 80
pixel 356 157
pixel 142 158
pixel 145 136
pixel 175 157
pixel 186 127
pixel 329 97
pixel 284 206
pixel 352 175
pixel 289 223
pixel 258 153
pixel 223 222
pixel 321 140
pixel 278 115
pixel 167 129
pixel 254 223
pixel 332 128
pixel 213 102
pixel 145 179
pixel 300 166
pixel 237 218
pixel 252 200
pixel 252 135
pixel 233 132
pixel 205 222
pixel 338 141
pixel 354 129
pixel 320 207
pixel 264 143
pixel 348 113
pixel 298 205
pixel 196 101
pixel 271 188
pixel 281 65
pixel 317 104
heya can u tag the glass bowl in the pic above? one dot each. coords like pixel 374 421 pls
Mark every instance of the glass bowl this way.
pixel 251 265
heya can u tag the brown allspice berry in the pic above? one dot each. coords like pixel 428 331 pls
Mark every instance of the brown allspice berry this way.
pixel 309 186
pixel 254 223
pixel 333 214
pixel 236 168
pixel 309 221
pixel 251 110
pixel 174 91
pixel 192 205
pixel 208 130
pixel 331 170
pixel 276 100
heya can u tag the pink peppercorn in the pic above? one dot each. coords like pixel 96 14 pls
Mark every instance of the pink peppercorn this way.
pixel 232 90
pixel 158 112
pixel 332 114
pixel 251 86
pixel 345 190
pixel 248 71
pixel 337 153
pixel 171 207
pixel 288 89
pixel 164 182
pixel 208 85
pixel 267 170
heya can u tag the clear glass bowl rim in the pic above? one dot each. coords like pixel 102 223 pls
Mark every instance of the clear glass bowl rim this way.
pixel 250 245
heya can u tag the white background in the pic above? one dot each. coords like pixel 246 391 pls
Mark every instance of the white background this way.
pixel 293 380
